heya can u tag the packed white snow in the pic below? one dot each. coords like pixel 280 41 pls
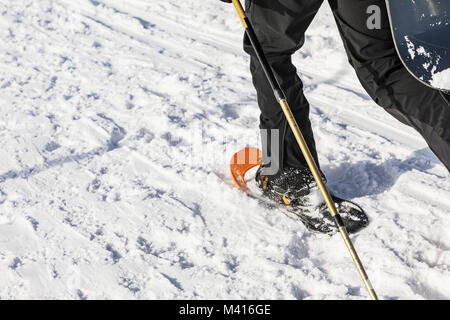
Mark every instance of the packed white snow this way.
pixel 441 79
pixel 117 122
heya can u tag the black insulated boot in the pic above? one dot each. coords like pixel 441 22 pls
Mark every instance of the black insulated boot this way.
pixel 290 186
pixel 296 189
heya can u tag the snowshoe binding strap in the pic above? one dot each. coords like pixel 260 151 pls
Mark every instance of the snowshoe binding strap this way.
pixel 241 162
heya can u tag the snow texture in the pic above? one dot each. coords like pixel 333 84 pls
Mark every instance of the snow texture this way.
pixel 105 194
pixel 441 79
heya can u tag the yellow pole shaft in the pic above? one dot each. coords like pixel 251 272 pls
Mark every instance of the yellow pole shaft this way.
pixel 241 12
pixel 326 194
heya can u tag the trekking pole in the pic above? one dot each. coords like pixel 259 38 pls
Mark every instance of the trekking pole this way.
pixel 279 95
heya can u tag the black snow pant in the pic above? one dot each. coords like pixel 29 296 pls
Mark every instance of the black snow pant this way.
pixel 280 26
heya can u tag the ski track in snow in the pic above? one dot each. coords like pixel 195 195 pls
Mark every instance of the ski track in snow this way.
pixel 100 198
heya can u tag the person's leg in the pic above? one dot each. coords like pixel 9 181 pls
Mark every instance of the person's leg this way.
pixel 372 53
pixel 280 26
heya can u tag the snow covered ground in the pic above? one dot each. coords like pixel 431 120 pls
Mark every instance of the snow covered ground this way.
pixel 103 192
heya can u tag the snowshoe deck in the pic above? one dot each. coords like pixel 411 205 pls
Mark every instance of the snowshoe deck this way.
pixel 320 221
